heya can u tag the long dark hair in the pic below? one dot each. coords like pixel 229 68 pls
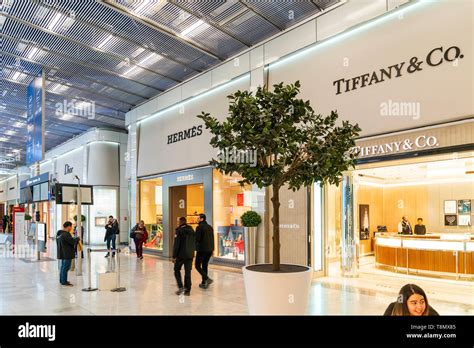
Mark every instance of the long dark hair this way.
pixel 401 307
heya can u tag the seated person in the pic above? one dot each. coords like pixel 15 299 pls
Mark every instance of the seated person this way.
pixel 419 227
pixel 404 226
pixel 411 301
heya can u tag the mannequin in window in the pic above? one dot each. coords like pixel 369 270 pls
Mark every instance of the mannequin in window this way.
pixel 404 226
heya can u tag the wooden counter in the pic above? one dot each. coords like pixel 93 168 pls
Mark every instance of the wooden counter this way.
pixel 440 253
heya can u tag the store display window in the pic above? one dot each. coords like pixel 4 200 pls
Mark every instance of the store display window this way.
pixel 151 211
pixel 230 201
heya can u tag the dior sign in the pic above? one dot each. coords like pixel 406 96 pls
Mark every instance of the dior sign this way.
pixel 419 143
pixel 435 57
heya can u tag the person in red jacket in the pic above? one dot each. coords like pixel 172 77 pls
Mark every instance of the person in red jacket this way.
pixel 140 236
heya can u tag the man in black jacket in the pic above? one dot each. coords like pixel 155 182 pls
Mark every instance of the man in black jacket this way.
pixel 183 254
pixel 204 248
pixel 111 230
pixel 66 251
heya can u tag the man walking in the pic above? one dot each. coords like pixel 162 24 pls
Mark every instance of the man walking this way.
pixel 204 248
pixel 5 221
pixel 111 231
pixel 183 254
pixel 66 250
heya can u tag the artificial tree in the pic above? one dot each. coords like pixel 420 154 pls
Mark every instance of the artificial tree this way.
pixel 83 218
pixel 294 145
pixel 250 219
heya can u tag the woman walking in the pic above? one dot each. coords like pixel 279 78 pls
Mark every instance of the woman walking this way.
pixel 140 236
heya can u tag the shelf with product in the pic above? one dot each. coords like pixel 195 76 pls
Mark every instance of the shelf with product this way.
pixel 230 242
pixel 231 200
pixel 155 236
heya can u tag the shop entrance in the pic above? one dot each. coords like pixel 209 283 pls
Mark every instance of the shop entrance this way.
pixel 187 201
pixel 431 196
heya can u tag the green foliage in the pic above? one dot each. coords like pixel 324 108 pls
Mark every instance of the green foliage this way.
pixel 294 145
pixel 250 219
pixel 83 218
pixel 28 217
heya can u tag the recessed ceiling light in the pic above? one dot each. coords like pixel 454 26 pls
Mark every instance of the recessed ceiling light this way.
pixel 54 21
pixel 33 52
pixel 191 28
pixel 157 57
pixel 142 5
pixel 130 70
pixel 66 117
pixel 107 39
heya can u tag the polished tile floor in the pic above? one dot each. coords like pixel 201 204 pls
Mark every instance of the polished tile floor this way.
pixel 32 288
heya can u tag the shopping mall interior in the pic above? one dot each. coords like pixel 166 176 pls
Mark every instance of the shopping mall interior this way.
pixel 305 158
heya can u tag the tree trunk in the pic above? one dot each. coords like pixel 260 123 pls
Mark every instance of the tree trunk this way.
pixel 276 227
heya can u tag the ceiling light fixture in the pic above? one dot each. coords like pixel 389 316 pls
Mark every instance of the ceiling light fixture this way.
pixel 66 117
pixel 150 56
pixel 142 5
pixel 54 21
pixel 191 28
pixel 33 52
pixel 130 70
pixel 107 39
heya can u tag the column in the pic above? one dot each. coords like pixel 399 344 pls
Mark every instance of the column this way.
pixel 349 240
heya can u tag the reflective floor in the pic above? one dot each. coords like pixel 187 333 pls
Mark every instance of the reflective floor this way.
pixel 31 287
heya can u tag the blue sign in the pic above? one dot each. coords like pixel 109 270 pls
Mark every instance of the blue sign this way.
pixel 34 121
pixel 35 180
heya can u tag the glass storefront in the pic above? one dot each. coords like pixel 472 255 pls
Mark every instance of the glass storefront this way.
pixel 164 199
pixel 230 201
pixel 430 196
pixel 151 211
pixel 105 204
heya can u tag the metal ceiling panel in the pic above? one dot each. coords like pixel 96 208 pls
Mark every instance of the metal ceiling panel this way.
pixel 116 54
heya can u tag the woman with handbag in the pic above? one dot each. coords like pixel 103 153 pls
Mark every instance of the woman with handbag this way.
pixel 139 235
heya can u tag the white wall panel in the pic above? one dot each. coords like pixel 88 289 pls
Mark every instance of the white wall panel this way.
pixel 293 40
pixel 3 190
pixel 103 164
pixel 256 57
pixel 442 93
pixel 70 164
pixel 233 68
pixel 197 85
pixel 392 4
pixel 12 188
pixel 156 156
pixel 347 15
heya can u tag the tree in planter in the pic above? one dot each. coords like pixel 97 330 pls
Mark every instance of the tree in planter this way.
pixel 293 145
pixel 250 219
pixel 83 218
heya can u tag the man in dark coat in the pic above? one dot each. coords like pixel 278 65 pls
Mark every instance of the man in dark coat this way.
pixel 5 221
pixel 66 250
pixel 204 248
pixel 111 231
pixel 183 254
